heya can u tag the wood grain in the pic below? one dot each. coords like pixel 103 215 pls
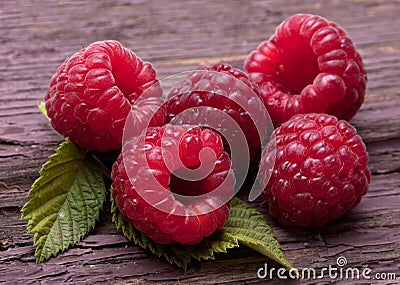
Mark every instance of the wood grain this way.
pixel 36 36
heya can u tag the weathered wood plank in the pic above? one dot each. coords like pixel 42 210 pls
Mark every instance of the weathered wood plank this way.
pixel 177 37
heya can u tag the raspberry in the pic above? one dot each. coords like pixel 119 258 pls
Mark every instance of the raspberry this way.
pixel 308 65
pixel 145 183
pixel 320 171
pixel 91 94
pixel 221 87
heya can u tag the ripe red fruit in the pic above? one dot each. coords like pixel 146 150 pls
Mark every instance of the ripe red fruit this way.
pixel 308 65
pixel 146 182
pixel 92 92
pixel 224 88
pixel 320 171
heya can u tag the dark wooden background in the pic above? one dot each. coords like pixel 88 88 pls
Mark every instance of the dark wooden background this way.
pixel 36 36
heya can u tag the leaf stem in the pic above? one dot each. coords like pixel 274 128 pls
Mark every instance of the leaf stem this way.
pixel 105 169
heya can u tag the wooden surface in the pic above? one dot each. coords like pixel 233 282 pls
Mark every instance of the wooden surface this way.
pixel 36 36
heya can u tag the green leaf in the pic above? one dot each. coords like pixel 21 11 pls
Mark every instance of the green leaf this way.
pixel 65 201
pixel 245 225
pixel 251 229
pixel 179 255
pixel 42 108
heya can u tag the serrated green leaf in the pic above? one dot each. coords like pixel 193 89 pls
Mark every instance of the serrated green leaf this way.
pixel 245 225
pixel 250 228
pixel 42 108
pixel 65 201
pixel 179 255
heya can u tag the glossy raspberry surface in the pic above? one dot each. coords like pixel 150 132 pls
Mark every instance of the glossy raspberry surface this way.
pixel 146 181
pixel 308 65
pixel 92 92
pixel 320 171
pixel 225 88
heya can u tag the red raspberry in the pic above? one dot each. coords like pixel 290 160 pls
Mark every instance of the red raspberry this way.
pixel 320 171
pixel 308 65
pixel 220 86
pixel 145 183
pixel 91 94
